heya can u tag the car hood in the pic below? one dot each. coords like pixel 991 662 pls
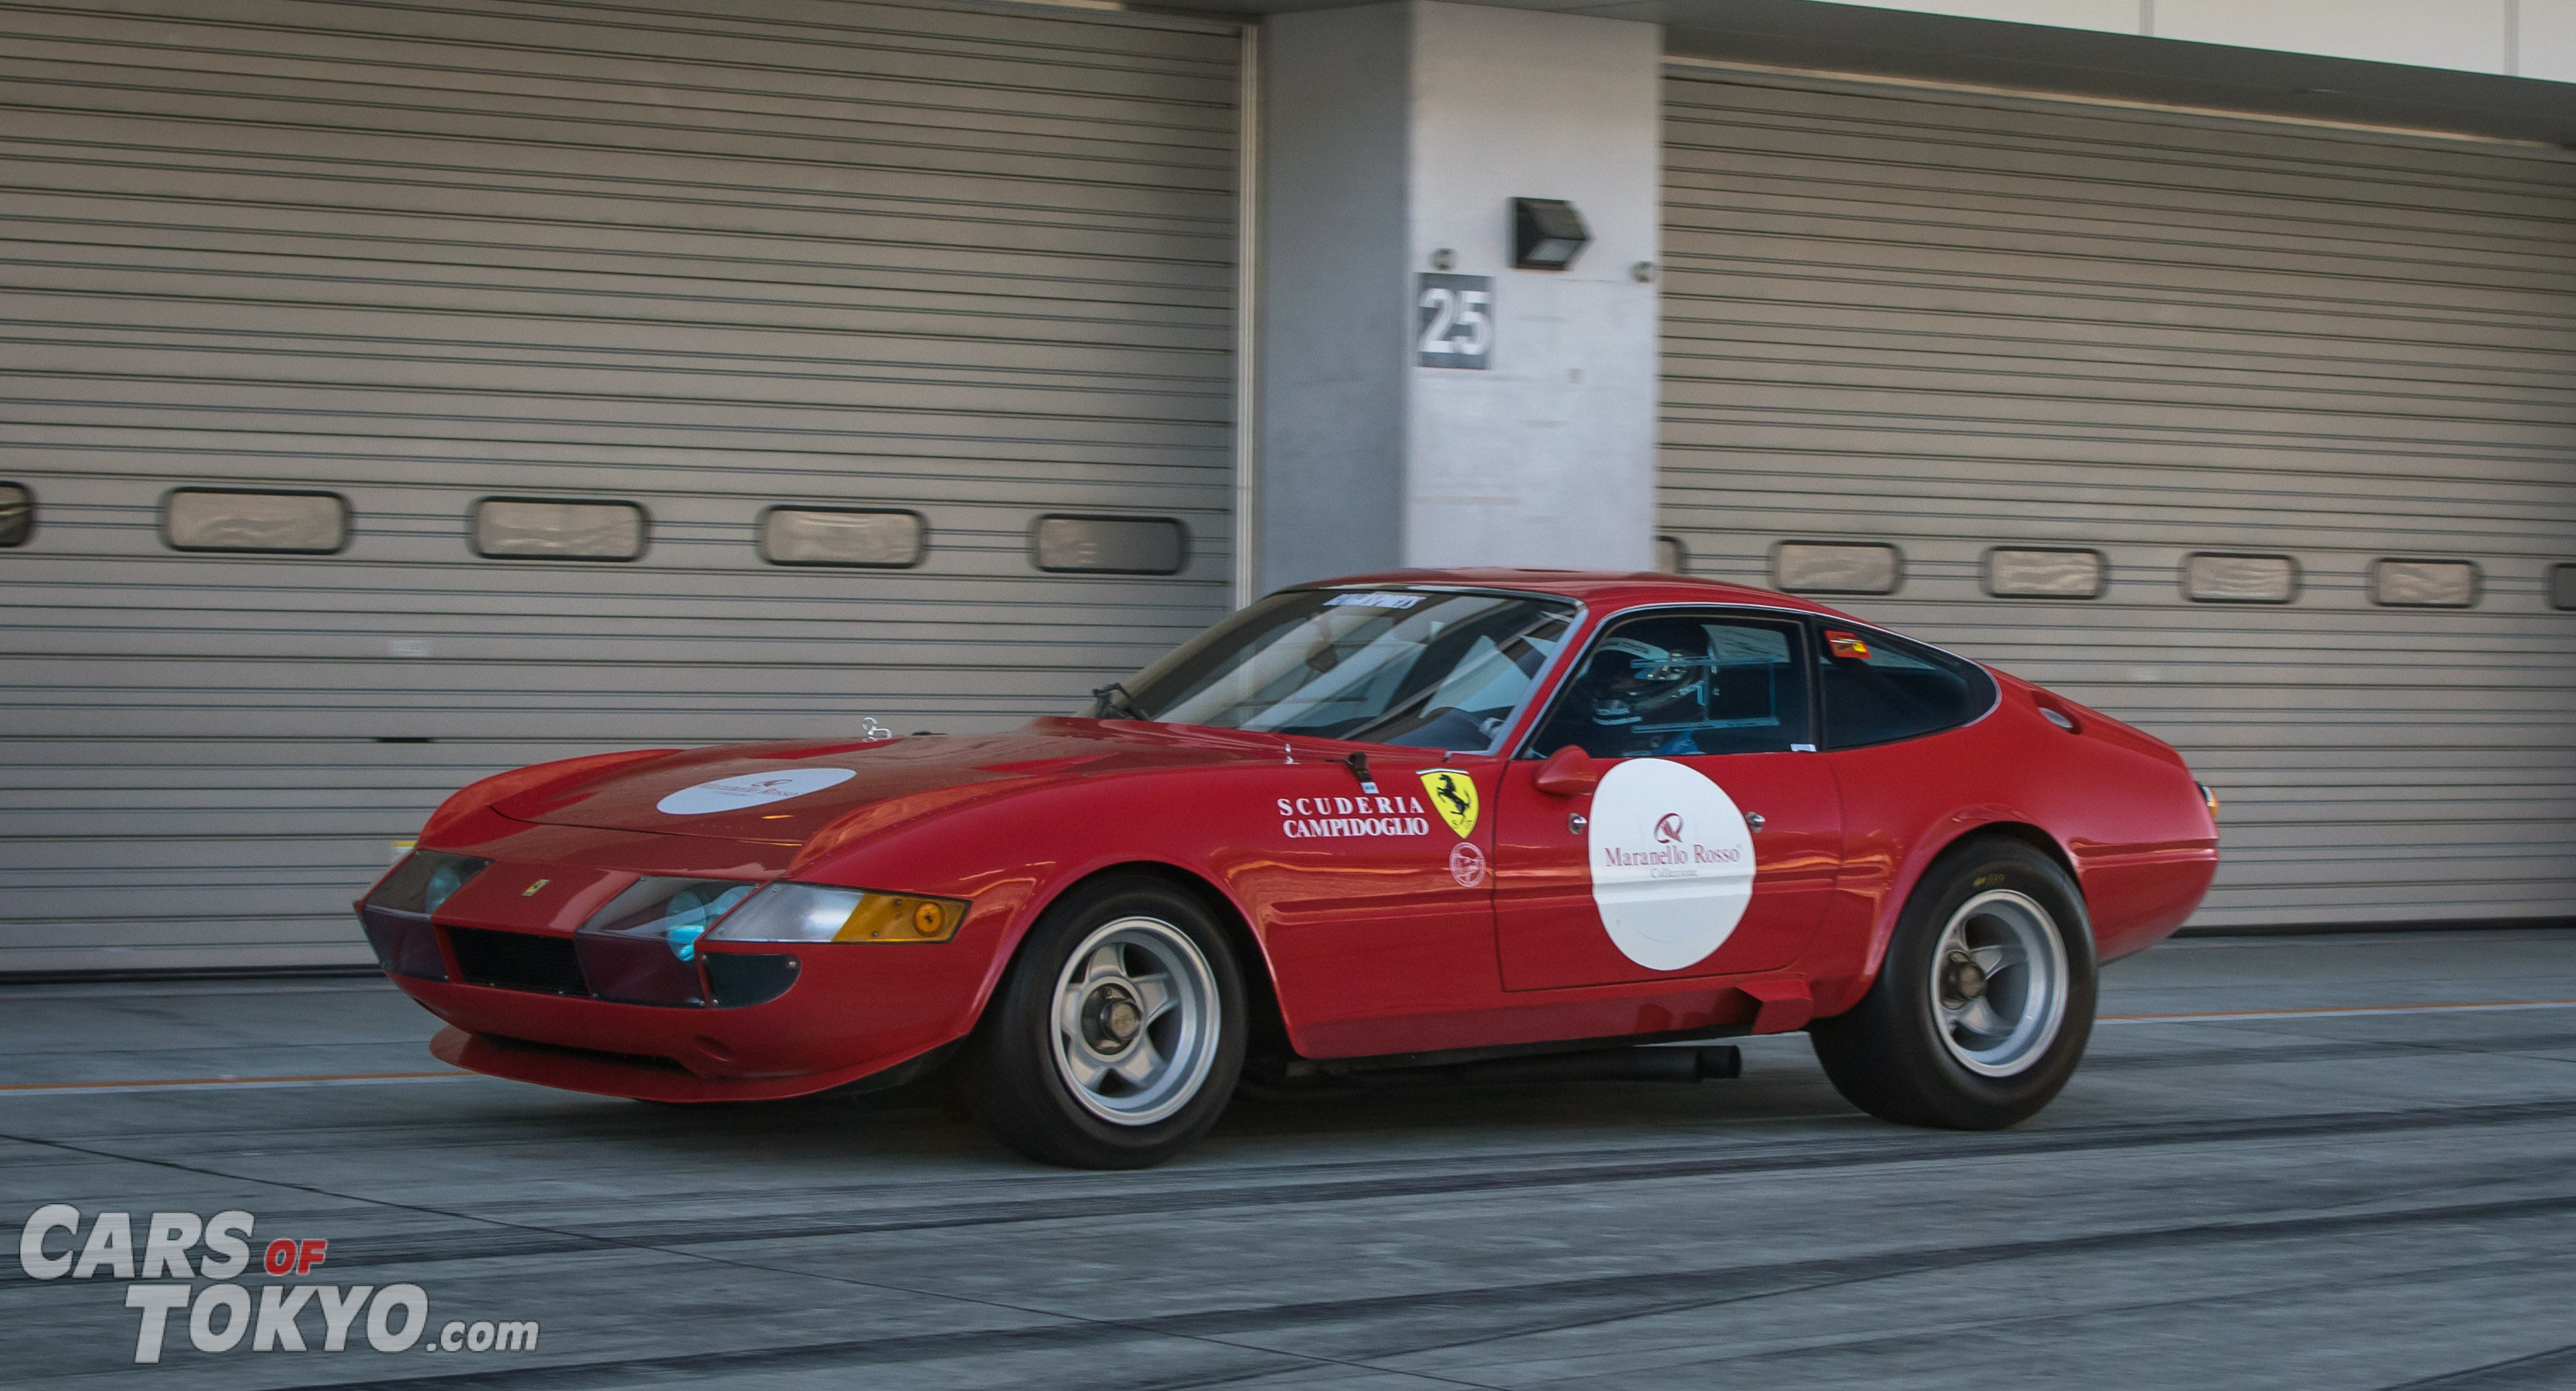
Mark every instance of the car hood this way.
pixel 790 792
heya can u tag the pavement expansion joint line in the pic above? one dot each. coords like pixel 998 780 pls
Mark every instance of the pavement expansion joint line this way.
pixel 2330 1011
pixel 547 1374
pixel 1611 1299
pixel 2188 1017
pixel 169 1083
pixel 691 1236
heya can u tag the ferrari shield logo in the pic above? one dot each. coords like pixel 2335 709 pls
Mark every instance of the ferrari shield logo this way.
pixel 1453 795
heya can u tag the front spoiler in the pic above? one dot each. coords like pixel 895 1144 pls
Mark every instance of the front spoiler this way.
pixel 610 1074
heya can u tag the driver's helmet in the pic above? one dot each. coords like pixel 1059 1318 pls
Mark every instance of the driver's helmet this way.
pixel 1629 682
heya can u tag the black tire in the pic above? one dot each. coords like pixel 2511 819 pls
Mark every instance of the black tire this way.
pixel 1909 1051
pixel 1021 1076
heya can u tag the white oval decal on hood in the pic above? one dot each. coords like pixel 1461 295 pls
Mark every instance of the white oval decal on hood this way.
pixel 1671 862
pixel 751 790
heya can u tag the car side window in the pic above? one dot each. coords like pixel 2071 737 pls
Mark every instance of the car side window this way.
pixel 1675 685
pixel 1878 689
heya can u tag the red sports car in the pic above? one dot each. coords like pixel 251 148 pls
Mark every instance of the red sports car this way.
pixel 1428 817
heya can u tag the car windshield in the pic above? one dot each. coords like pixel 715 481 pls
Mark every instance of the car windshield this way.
pixel 1420 668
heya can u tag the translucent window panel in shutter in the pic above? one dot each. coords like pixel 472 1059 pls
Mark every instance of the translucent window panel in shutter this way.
pixel 2424 584
pixel 2044 573
pixel 840 536
pixel 555 529
pixel 2562 586
pixel 17 514
pixel 2212 577
pixel 1109 545
pixel 1836 567
pixel 289 523
pixel 1671 556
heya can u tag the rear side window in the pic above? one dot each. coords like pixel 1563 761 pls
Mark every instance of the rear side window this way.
pixel 1878 689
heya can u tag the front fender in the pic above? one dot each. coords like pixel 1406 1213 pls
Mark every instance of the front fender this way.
pixel 1014 854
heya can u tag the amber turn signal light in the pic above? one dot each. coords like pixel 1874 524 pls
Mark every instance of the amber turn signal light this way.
pixel 901 918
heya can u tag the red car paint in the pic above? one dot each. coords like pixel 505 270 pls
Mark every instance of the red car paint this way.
pixel 1373 945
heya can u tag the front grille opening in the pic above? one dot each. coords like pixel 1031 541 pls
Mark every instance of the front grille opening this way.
pixel 517 961
pixel 654 1061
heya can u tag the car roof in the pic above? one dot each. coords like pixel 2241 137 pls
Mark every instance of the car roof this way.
pixel 1601 589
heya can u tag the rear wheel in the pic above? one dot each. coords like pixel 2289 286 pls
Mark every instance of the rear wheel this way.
pixel 1118 1033
pixel 1984 1003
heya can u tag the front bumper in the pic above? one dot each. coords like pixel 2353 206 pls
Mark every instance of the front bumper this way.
pixel 531 999
pixel 854 1009
pixel 649 1078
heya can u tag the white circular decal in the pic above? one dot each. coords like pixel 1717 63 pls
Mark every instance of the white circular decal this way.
pixel 1467 864
pixel 1671 862
pixel 751 790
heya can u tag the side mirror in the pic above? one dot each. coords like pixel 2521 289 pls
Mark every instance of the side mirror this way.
pixel 1568 772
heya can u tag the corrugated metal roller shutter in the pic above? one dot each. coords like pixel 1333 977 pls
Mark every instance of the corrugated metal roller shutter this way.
pixel 977 263
pixel 1951 323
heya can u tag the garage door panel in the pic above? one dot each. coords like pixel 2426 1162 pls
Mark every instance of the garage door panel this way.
pixel 1796 503
pixel 970 262
pixel 2085 267
pixel 258 938
pixel 1947 323
pixel 617 95
pixel 580 138
pixel 631 722
pixel 1740 327
pixel 176 375
pixel 2052 160
pixel 1954 365
pixel 623 598
pixel 317 406
pixel 2229 233
pixel 1890 444
pixel 1718 374
pixel 919 261
pixel 1832 287
pixel 136 324
pixel 1064 271
pixel 926 83
pixel 1740 324
pixel 745 43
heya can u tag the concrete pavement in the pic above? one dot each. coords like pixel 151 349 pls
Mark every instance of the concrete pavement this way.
pixel 2311 1181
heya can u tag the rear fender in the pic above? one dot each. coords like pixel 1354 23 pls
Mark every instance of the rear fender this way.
pixel 1954 837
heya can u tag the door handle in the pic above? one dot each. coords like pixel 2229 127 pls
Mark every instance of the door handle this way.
pixel 1753 821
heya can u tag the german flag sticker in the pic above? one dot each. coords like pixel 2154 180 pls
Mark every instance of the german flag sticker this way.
pixel 1846 644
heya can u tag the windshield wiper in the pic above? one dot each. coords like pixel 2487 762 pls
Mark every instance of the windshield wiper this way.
pixel 1111 699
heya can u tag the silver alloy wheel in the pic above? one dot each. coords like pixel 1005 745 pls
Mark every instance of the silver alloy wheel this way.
pixel 1135 1018
pixel 1999 983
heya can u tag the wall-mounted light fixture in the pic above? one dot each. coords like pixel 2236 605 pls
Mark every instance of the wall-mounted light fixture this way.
pixel 1547 234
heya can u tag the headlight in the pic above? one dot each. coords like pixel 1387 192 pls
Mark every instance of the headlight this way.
pixel 676 912
pixel 424 880
pixel 786 912
pixel 396 914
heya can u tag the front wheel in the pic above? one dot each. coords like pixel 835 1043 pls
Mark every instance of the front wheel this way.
pixel 1118 1033
pixel 1984 1003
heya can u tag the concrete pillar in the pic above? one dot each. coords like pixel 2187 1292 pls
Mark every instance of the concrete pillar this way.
pixel 1394 133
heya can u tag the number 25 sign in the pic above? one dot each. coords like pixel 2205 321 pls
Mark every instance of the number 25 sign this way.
pixel 1455 327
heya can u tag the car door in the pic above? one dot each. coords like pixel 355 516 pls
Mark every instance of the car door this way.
pixel 1710 844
